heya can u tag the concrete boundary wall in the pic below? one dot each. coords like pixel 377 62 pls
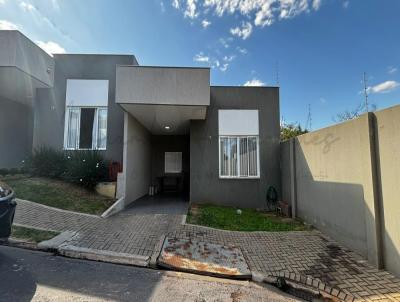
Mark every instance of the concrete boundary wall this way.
pixel 344 180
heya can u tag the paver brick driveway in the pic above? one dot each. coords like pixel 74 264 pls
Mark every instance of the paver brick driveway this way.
pixel 293 254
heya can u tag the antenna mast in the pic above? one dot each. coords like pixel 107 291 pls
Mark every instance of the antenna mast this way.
pixel 277 73
pixel 309 118
pixel 366 91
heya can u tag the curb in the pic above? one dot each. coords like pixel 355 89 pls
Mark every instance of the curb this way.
pixel 56 209
pixel 29 226
pixel 11 242
pixel 293 282
pixel 103 256
pixel 156 253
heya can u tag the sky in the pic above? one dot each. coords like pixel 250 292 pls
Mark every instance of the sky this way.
pixel 316 51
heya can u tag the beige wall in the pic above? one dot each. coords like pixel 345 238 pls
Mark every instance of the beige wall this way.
pixel 388 138
pixel 137 159
pixel 347 184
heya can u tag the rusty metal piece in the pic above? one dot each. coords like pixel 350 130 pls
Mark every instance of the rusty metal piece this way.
pixel 203 258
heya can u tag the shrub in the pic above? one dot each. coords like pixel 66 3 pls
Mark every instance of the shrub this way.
pixel 11 171
pixel 83 167
pixel 47 162
pixel 86 168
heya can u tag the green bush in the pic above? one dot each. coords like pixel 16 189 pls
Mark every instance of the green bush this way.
pixel 11 171
pixel 86 168
pixel 83 167
pixel 47 162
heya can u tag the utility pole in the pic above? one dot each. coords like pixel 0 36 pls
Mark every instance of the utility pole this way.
pixel 366 91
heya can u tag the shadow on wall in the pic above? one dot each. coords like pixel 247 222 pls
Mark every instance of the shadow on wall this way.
pixel 340 186
pixel 336 208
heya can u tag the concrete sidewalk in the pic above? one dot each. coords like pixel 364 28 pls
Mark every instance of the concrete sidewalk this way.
pixel 305 257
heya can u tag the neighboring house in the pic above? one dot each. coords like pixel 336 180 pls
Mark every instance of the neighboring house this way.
pixel 167 126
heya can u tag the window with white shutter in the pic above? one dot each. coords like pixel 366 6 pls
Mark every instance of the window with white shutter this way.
pixel 238 144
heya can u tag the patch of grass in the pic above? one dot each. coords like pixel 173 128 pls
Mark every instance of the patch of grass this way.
pixel 57 193
pixel 226 218
pixel 32 235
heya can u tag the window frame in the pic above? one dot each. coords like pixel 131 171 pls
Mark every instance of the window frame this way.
pixel 180 162
pixel 238 176
pixel 94 132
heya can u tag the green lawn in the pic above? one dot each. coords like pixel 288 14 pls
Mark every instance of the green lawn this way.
pixel 31 235
pixel 226 218
pixel 56 193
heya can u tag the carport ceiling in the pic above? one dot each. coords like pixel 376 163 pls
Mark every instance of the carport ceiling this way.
pixel 166 119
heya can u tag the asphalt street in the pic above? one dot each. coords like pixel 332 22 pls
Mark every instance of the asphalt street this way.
pixel 36 276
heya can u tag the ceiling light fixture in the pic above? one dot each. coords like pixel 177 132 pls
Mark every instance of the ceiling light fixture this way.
pixel 167 127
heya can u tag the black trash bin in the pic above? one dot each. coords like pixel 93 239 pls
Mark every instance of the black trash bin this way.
pixel 7 211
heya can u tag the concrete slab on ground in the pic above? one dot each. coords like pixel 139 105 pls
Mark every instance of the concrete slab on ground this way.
pixel 203 258
pixel 166 204
pixel 55 242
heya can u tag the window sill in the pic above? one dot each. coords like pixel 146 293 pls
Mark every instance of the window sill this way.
pixel 241 178
pixel 66 149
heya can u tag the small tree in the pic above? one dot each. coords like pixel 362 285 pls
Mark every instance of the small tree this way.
pixel 289 130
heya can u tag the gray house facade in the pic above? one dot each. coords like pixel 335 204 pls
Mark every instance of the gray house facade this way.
pixel 167 126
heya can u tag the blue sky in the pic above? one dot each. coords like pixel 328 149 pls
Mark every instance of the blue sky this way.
pixel 320 47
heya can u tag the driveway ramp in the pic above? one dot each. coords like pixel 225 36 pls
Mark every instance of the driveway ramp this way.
pixel 203 258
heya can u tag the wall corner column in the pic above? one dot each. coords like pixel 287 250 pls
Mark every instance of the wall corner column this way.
pixel 293 190
pixel 374 208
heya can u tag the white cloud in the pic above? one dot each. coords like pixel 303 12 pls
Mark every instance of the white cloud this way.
pixel 7 25
pixel 224 67
pixel 162 6
pixel 229 58
pixel 243 51
pixel 225 42
pixel 175 3
pixel 214 62
pixel 41 18
pixel 56 5
pixel 254 82
pixel 25 6
pixel 200 57
pixel 244 31
pixel 190 10
pixel 316 4
pixel 2 2
pixel 392 69
pixel 258 12
pixel 346 4
pixel 50 47
pixel 384 87
pixel 263 12
pixel 205 23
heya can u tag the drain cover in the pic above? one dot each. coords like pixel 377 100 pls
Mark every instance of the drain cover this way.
pixel 203 258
